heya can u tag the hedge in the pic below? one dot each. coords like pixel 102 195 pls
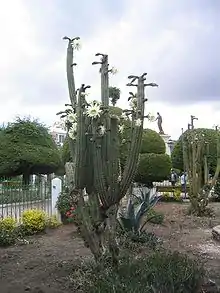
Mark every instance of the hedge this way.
pixel 153 168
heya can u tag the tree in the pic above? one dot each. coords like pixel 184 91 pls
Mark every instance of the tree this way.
pixel 27 148
pixel 210 138
pixel 154 165
pixel 114 95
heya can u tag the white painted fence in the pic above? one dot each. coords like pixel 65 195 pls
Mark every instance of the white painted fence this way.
pixel 48 205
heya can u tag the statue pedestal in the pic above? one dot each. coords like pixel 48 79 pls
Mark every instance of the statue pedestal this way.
pixel 166 139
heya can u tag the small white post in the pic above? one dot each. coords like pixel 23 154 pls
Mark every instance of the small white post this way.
pixel 56 190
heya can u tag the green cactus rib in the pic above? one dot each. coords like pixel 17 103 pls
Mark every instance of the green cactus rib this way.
pixel 131 165
pixel 104 81
pixel 70 74
pixel 80 143
pixel 132 160
pixel 114 159
pixel 107 123
pixel 71 147
pixel 88 159
pixel 98 165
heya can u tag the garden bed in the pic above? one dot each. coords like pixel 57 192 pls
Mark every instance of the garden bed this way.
pixel 46 264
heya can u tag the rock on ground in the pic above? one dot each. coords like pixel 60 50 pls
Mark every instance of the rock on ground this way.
pixel 216 233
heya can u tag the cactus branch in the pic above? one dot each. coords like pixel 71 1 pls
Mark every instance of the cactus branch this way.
pixel 69 70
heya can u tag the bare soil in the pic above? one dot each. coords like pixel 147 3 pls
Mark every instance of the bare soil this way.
pixel 45 264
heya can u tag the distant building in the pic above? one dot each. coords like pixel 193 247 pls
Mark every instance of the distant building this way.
pixel 58 133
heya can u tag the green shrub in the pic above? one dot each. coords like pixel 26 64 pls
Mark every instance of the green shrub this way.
pixel 153 168
pixel 8 224
pixel 162 272
pixel 34 221
pixel 8 233
pixel 173 196
pixel 64 204
pixel 53 222
pixel 170 188
pixel 152 142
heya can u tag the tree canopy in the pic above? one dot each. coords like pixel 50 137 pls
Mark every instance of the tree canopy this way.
pixel 114 94
pixel 27 148
pixel 210 137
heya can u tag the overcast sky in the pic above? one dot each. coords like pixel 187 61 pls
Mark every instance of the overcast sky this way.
pixel 175 41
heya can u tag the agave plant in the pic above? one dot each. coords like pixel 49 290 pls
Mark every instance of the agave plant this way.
pixel 131 219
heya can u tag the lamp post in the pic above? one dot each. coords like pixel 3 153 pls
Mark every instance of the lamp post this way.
pixel 217 128
pixel 184 160
pixel 170 145
pixel 192 117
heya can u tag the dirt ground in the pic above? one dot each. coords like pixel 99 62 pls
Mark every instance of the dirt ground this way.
pixel 45 264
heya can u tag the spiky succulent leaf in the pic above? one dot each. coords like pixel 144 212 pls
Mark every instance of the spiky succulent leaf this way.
pixel 130 209
pixel 126 224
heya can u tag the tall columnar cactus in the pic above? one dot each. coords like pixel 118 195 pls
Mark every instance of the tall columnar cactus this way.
pixel 195 153
pixel 95 133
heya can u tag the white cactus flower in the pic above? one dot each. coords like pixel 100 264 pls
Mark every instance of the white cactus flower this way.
pixel 133 103
pixel 94 111
pixel 102 130
pixel 121 128
pixel 124 116
pixel 74 126
pixel 71 117
pixel 114 70
pixel 151 117
pixel 72 131
pixel 84 94
pixel 76 45
pixel 138 122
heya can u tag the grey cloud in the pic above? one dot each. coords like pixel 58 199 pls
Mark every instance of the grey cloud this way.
pixel 185 74
pixel 192 74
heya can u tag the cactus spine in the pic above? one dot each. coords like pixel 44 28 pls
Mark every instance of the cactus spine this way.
pixel 97 153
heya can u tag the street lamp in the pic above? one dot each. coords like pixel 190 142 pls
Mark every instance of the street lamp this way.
pixel 192 117
pixel 216 127
pixel 184 159
pixel 170 145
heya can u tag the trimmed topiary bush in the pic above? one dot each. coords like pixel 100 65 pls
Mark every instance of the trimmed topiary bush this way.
pixel 152 142
pixel 153 168
pixel 27 148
